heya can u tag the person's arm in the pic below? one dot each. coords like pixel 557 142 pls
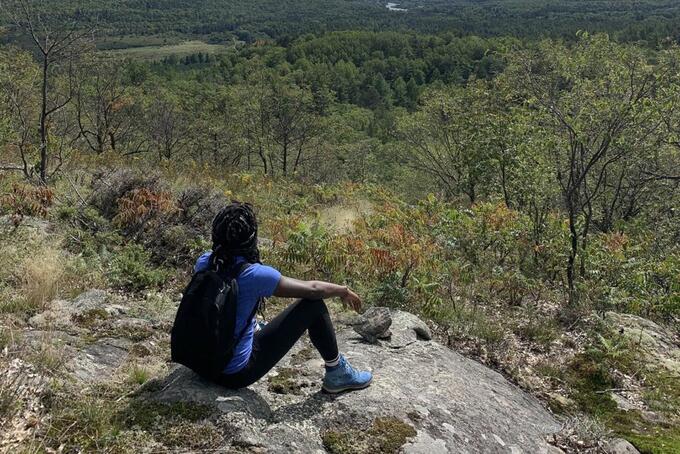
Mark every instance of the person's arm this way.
pixel 295 288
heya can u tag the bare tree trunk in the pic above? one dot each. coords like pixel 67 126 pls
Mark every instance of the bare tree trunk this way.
pixel 43 123
pixel 504 182
pixel 571 263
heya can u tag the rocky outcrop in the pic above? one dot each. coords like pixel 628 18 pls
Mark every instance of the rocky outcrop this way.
pixel 660 347
pixel 425 398
pixel 92 334
pixel 98 360
pixel 620 446
pixel 63 314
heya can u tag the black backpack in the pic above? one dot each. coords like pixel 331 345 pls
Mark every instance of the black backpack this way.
pixel 202 336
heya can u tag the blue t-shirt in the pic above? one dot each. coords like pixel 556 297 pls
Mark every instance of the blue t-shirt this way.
pixel 258 281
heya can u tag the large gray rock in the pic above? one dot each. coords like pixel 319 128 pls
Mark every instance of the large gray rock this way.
pixel 437 400
pixel 407 329
pixel 99 360
pixel 659 345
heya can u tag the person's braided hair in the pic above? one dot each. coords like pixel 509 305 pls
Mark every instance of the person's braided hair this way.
pixel 234 233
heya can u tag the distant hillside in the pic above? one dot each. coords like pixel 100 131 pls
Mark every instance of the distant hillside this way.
pixel 138 23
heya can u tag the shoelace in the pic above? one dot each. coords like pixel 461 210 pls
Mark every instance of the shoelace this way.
pixel 350 370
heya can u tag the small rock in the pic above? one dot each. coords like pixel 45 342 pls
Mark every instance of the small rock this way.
pixel 91 299
pixel 406 329
pixel 140 350
pixel 115 310
pixel 562 401
pixel 135 329
pixel 620 446
pixel 373 324
pixel 265 243
pixel 622 403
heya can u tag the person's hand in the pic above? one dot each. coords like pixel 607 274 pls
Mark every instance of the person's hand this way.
pixel 351 300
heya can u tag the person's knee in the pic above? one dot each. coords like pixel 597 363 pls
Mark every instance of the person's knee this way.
pixel 317 305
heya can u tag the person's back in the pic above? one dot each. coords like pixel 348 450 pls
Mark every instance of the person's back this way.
pixel 254 283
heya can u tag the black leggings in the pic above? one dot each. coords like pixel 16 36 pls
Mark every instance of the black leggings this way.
pixel 277 337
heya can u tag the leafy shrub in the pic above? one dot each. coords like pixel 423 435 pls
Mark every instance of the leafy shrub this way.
pixel 174 228
pixel 180 236
pixel 26 200
pixel 389 292
pixel 628 274
pixel 131 268
pixel 108 189
pixel 139 207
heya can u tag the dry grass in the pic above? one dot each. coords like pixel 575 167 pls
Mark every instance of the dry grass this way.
pixel 48 357
pixel 40 278
pixel 154 53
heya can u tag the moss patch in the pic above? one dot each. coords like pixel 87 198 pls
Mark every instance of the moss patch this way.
pixel 590 377
pixel 386 435
pixel 177 424
pixel 286 382
pixel 90 318
pixel 198 436
pixel 646 437
pixel 303 355
pixel 149 415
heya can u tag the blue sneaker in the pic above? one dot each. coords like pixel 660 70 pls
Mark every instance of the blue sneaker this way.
pixel 344 377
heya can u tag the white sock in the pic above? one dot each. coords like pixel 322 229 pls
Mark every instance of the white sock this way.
pixel 334 362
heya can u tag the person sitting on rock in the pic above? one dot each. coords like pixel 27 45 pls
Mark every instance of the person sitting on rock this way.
pixel 234 237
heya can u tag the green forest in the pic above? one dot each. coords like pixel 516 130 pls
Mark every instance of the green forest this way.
pixel 508 170
pixel 128 22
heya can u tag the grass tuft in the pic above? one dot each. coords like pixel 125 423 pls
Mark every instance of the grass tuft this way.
pixel 40 279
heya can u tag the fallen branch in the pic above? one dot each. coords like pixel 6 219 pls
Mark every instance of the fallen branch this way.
pixel 610 390
pixel 11 167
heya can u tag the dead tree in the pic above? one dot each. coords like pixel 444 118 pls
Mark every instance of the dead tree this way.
pixel 58 43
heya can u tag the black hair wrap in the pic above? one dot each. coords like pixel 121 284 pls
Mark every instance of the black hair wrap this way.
pixel 234 233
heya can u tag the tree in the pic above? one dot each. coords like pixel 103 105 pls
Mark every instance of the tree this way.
pixel 105 107
pixel 167 125
pixel 216 126
pixel 59 44
pixel 293 124
pixel 448 140
pixel 19 105
pixel 279 122
pixel 400 92
pixel 599 101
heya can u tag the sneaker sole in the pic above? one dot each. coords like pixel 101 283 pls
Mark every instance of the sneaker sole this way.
pixel 346 388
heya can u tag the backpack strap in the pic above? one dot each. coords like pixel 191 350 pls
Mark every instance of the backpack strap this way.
pixel 240 269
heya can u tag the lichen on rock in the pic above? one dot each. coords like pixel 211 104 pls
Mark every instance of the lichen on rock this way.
pixel 385 436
